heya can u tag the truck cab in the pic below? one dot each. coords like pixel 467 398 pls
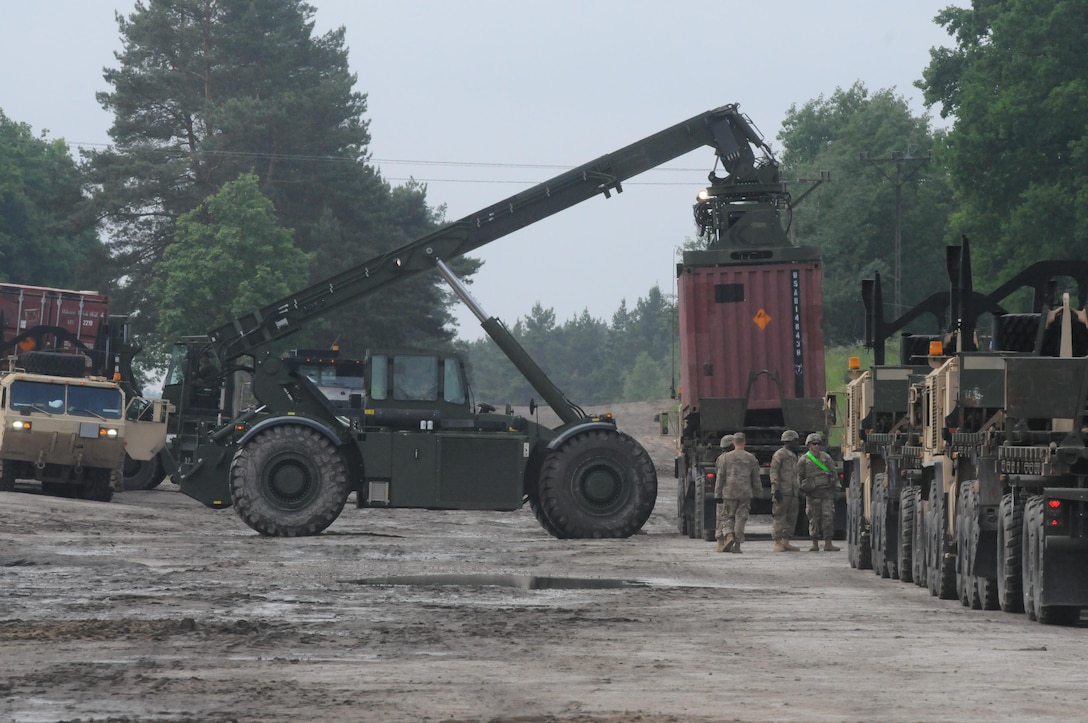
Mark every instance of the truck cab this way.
pixel 69 433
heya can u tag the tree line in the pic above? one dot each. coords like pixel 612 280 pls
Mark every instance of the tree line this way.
pixel 239 170
pixel 631 358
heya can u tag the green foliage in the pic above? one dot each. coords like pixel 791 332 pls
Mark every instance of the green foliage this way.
pixel 215 265
pixel 1017 155
pixel 208 90
pixel 591 361
pixel 836 364
pixel 852 219
pixel 45 239
pixel 648 378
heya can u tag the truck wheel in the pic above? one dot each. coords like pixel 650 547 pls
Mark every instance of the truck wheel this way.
pixel 288 481
pixel 702 502
pixel 97 485
pixel 53 363
pixel 966 587
pixel 1009 532
pixel 681 495
pixel 143 475
pixel 600 483
pixel 538 512
pixel 941 563
pixel 7 477
pixel 878 535
pixel 904 560
pixel 919 571
pixel 985 594
pixel 1030 555
pixel 857 537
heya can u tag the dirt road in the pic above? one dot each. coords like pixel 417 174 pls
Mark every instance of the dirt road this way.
pixel 154 608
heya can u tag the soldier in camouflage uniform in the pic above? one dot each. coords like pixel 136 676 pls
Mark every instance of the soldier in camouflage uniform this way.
pixel 818 483
pixel 738 482
pixel 719 509
pixel 784 493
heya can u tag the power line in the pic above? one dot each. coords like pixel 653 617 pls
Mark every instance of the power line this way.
pixel 378 161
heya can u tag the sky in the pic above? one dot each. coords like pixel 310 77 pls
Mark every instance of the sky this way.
pixel 481 99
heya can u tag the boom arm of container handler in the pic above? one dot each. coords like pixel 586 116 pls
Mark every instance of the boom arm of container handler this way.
pixel 724 129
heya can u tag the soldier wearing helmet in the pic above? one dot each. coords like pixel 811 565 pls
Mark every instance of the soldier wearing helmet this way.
pixel 719 509
pixel 818 482
pixel 785 504
pixel 738 481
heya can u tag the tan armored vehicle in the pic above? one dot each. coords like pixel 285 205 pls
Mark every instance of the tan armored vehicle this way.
pixel 71 432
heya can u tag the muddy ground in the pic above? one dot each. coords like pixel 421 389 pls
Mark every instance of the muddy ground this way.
pixel 154 608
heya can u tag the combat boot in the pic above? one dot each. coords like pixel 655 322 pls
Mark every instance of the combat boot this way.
pixel 789 547
pixel 815 545
pixel 726 543
pixel 721 542
pixel 780 546
pixel 828 547
pixel 736 548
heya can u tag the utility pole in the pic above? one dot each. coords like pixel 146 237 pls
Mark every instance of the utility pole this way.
pixel 899 159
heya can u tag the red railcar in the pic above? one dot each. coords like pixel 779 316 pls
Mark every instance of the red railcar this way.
pixel 45 319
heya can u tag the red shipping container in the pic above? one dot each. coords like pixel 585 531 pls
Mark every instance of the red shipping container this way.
pixel 735 320
pixel 80 313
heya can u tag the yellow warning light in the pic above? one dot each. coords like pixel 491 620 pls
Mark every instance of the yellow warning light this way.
pixel 853 362
pixel 936 348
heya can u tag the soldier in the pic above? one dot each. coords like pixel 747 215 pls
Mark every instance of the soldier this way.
pixel 719 509
pixel 784 493
pixel 738 482
pixel 818 483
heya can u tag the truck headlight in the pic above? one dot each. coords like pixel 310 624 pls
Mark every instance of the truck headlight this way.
pixel 107 433
pixel 20 425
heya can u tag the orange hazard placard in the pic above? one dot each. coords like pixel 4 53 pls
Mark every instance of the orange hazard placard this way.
pixel 762 318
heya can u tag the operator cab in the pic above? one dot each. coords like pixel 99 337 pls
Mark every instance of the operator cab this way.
pixel 337 378
pixel 416 390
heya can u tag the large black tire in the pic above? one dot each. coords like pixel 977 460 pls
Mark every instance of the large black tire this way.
pixel 1030 540
pixel 940 562
pixel 97 485
pixel 681 494
pixel 985 593
pixel 1033 578
pixel 858 540
pixel 966 589
pixel 904 560
pixel 698 509
pixel 919 569
pixel 1010 589
pixel 53 363
pixel 600 483
pixel 289 481
pixel 878 514
pixel 141 475
pixel 7 477
pixel 538 513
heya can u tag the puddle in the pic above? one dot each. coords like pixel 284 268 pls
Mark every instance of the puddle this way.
pixel 521 582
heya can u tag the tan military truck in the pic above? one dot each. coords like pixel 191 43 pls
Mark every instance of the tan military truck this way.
pixel 68 431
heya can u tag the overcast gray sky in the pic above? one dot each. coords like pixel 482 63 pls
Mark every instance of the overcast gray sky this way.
pixel 452 85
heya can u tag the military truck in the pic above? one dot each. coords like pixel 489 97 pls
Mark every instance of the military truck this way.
pixel 966 461
pixel 413 436
pixel 70 333
pixel 69 431
pixel 751 332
